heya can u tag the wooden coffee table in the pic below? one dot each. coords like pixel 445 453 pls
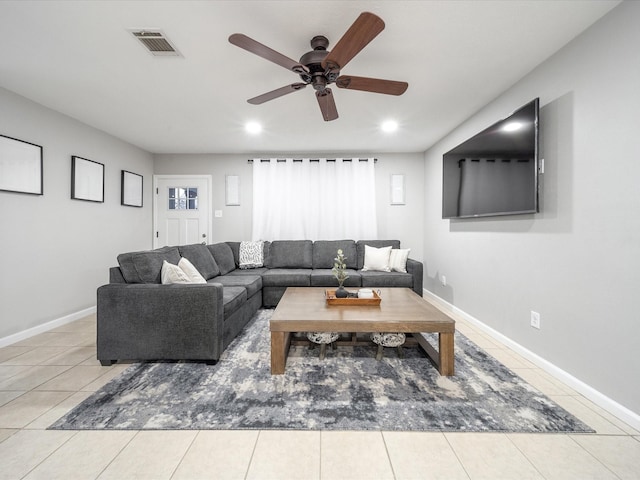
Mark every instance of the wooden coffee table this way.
pixel 304 309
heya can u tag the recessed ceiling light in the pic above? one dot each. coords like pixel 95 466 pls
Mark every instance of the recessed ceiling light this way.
pixel 253 128
pixel 389 126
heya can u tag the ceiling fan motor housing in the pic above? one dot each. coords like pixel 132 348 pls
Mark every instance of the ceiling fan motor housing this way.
pixel 317 75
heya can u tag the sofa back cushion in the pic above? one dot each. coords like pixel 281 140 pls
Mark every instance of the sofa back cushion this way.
pixel 373 243
pixel 290 254
pixel 201 258
pixel 145 267
pixel 324 251
pixel 223 255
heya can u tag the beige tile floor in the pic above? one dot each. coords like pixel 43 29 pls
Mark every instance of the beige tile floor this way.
pixel 43 377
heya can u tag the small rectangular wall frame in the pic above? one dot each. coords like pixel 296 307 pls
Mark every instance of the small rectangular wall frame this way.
pixel 232 190
pixel 131 189
pixel 20 166
pixel 397 189
pixel 87 180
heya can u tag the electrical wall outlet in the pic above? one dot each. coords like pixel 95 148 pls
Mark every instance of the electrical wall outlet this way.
pixel 443 280
pixel 535 319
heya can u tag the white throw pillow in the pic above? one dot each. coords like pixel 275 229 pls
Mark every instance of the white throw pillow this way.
pixel 398 259
pixel 173 274
pixel 192 272
pixel 376 259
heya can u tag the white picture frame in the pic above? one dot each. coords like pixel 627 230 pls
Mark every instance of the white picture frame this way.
pixel 131 189
pixel 397 189
pixel 20 166
pixel 87 180
pixel 232 190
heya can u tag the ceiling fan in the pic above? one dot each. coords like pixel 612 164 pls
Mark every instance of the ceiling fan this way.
pixel 321 67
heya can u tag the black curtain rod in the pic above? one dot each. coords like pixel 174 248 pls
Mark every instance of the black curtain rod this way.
pixel 375 160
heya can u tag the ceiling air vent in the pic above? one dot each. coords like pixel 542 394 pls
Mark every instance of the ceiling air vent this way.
pixel 156 42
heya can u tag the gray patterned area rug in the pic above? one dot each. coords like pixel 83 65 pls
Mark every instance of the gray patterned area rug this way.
pixel 348 390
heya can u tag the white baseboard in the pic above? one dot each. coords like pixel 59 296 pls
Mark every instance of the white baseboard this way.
pixel 45 327
pixel 611 406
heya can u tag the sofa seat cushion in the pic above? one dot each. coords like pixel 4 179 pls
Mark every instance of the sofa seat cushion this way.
pixel 386 279
pixel 324 252
pixel 146 266
pixel 323 277
pixel 287 277
pixel 233 298
pixel 253 272
pixel 252 283
pixel 201 258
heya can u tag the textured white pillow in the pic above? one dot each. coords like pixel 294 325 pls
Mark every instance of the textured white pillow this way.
pixel 192 272
pixel 398 259
pixel 376 259
pixel 173 274
pixel 251 254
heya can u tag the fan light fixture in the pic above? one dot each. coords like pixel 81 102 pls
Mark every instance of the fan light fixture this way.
pixel 389 126
pixel 253 128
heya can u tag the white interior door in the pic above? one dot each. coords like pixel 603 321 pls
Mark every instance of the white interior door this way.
pixel 182 205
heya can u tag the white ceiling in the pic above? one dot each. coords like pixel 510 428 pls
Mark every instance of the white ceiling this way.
pixel 78 57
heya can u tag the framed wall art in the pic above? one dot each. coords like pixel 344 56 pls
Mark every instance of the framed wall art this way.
pixel 20 166
pixel 87 180
pixel 131 189
pixel 397 189
pixel 232 190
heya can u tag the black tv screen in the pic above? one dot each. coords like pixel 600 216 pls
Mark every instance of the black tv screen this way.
pixel 496 171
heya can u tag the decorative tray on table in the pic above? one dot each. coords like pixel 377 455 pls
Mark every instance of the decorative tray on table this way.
pixel 352 299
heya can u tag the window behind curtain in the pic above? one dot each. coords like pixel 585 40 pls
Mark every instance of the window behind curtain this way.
pixel 316 199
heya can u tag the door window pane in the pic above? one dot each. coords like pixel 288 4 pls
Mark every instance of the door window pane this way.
pixel 183 198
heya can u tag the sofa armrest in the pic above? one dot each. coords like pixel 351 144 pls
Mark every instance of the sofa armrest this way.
pixel 415 268
pixel 152 321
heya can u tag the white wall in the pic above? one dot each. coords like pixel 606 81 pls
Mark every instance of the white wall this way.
pixel 403 222
pixel 577 263
pixel 56 251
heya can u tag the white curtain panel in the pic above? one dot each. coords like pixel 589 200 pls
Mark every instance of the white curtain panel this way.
pixel 314 199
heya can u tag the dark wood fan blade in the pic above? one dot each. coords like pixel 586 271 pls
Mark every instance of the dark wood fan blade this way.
pixel 327 104
pixel 250 45
pixel 279 92
pixel 376 85
pixel 366 27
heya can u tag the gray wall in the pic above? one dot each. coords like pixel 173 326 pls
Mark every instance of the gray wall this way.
pixel 56 251
pixel 577 263
pixel 403 222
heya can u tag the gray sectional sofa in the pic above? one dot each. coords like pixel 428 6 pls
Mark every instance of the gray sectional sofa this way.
pixel 141 319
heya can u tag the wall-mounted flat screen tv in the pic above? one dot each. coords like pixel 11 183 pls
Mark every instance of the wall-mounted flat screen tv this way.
pixel 496 171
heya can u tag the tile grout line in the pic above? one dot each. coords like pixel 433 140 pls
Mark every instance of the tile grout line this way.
pixel 592 455
pixel 386 449
pixel 444 434
pixel 185 454
pixel 50 454
pixel 253 452
pixel 117 454
pixel 320 455
pixel 525 457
